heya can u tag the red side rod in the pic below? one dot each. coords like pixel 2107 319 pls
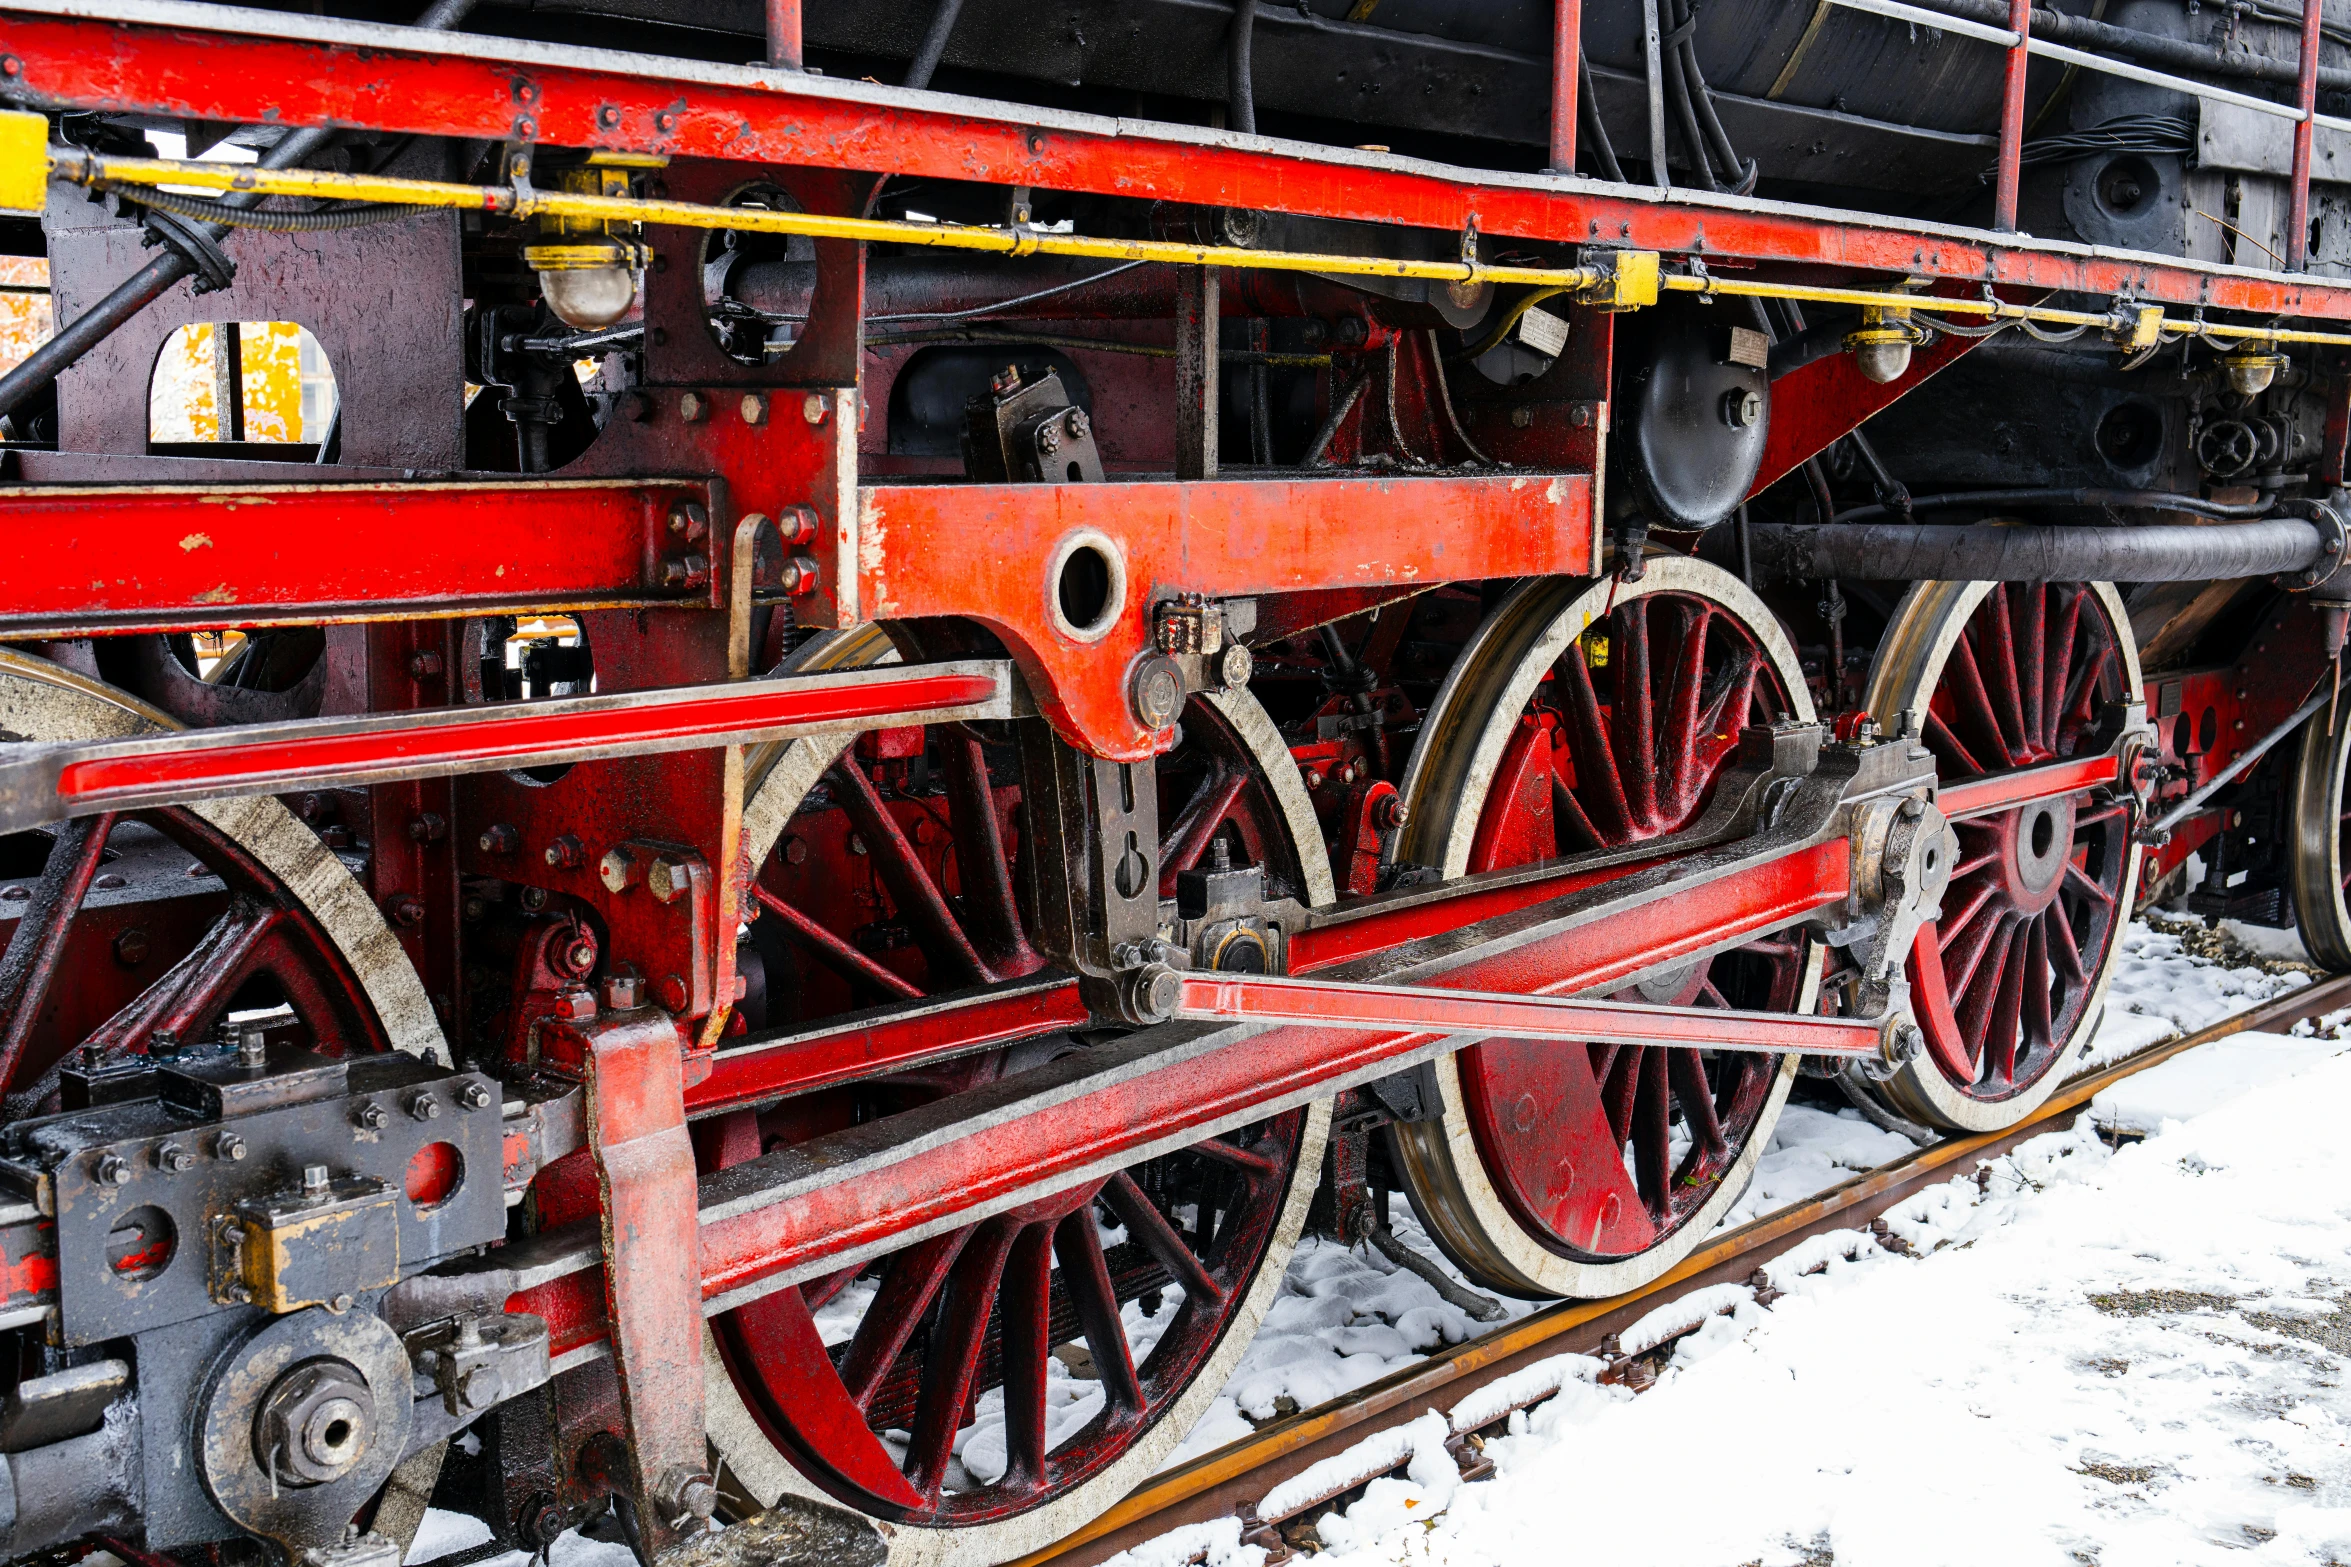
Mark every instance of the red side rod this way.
pixel 2020 21
pixel 2306 99
pixel 1566 52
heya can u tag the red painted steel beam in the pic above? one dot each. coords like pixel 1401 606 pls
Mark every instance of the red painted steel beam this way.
pixel 992 552
pixel 2305 99
pixel 45 783
pixel 236 66
pixel 1572 1020
pixel 79 561
pixel 2006 791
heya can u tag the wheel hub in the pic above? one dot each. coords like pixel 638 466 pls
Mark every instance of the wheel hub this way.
pixel 2035 842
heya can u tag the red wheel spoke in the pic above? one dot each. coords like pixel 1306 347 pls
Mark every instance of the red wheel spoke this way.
pixel 840 954
pixel 1968 867
pixel 1981 992
pixel 2065 949
pixel 1621 1087
pixel 2057 677
pixel 909 1282
pixel 911 887
pixel 1697 1100
pixel 2082 700
pixel 1944 742
pixel 1967 685
pixel 1964 950
pixel 196 986
pixel 2007 699
pixel 1567 808
pixel 1254 1166
pixel 1026 1304
pixel 2008 1008
pixel 1978 898
pixel 29 966
pixel 952 1364
pixel 1587 738
pixel 1681 757
pixel 1653 1136
pixel 2039 1031
pixel 1147 1225
pixel 1635 714
pixel 1197 823
pixel 2082 882
pixel 985 870
pixel 2028 604
pixel 1725 713
pixel 1085 1272
pixel 820 1293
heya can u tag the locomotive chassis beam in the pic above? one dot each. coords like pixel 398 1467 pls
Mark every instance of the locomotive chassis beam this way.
pixel 203 62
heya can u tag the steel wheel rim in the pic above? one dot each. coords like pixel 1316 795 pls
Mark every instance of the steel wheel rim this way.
pixel 1481 1206
pixel 2316 872
pixel 1928 670
pixel 1014 1247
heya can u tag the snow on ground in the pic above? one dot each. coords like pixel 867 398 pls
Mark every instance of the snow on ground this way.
pixel 2117 1357
pixel 1346 1317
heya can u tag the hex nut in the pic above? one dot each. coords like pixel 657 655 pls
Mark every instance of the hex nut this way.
pixel 112 1170
pixel 669 879
pixel 500 839
pixel 473 1096
pixel 424 1107
pixel 620 869
pixel 624 992
pixel 229 1146
pixel 175 1159
pixel 371 1117
pixel 693 407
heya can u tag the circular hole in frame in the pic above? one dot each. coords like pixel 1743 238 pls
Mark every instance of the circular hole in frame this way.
pixel 1087 584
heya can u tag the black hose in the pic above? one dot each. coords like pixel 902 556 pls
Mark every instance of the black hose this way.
pixel 1740 172
pixel 1595 130
pixel 226 216
pixel 2152 500
pixel 1810 343
pixel 1240 86
pixel 1677 94
pixel 934 45
pixel 1902 552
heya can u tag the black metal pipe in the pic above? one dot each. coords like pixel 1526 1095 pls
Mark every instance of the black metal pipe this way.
pixel 934 44
pixel 152 281
pixel 1897 552
pixel 2178 54
pixel 2150 500
pixel 1240 79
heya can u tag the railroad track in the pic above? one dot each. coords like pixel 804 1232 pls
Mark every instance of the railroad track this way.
pixel 1235 1478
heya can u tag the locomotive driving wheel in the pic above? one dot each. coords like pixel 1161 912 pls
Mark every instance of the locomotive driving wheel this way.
pixel 2012 976
pixel 124 933
pixel 987 1389
pixel 2322 831
pixel 1588 715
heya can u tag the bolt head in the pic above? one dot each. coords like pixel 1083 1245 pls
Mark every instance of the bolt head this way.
pixel 624 992
pixel 500 839
pixel 130 948
pixel 1235 665
pixel 1741 407
pixel 314 1177
pixel 1156 691
pixel 669 879
pixel 812 408
pixel 693 407
pixel 754 409
pixel 670 991
pixel 478 1388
